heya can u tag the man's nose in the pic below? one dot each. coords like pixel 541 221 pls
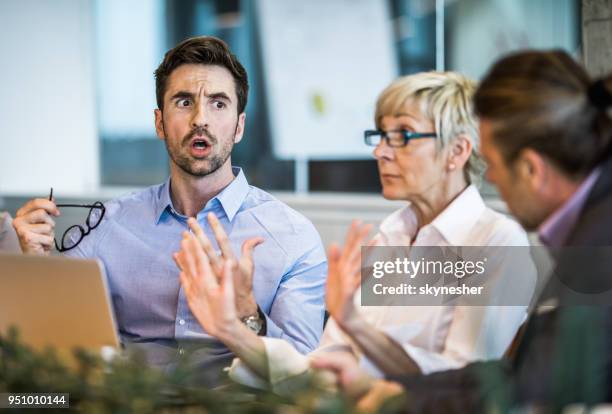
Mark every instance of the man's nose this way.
pixel 199 117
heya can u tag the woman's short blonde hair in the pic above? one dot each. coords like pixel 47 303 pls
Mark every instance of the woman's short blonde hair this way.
pixel 445 98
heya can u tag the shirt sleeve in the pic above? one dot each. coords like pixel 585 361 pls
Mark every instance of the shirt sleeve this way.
pixel 482 332
pixel 8 238
pixel 287 367
pixel 284 362
pixel 297 309
pixel 297 312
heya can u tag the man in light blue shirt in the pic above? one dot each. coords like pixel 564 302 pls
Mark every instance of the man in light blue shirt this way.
pixel 201 96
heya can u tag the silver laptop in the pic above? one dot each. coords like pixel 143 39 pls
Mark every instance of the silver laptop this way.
pixel 56 301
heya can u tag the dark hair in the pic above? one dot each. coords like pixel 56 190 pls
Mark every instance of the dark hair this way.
pixel 205 50
pixel 540 100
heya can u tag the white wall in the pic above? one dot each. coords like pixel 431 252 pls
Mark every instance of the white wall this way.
pixel 48 133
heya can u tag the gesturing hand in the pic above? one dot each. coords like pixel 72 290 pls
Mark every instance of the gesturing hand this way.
pixel 242 269
pixel 343 275
pixel 210 295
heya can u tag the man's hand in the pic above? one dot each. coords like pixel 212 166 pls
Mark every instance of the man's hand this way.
pixel 35 227
pixel 210 296
pixel 343 276
pixel 350 378
pixel 242 269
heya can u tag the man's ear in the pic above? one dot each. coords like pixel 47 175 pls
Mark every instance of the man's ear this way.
pixel 459 152
pixel 159 124
pixel 532 167
pixel 239 128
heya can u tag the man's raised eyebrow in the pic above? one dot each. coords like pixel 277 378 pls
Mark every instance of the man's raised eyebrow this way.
pixel 182 94
pixel 190 95
pixel 219 95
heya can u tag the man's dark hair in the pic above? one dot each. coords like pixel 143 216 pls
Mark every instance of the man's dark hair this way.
pixel 204 50
pixel 540 100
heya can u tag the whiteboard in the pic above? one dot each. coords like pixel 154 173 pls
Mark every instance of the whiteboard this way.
pixel 325 63
pixel 48 131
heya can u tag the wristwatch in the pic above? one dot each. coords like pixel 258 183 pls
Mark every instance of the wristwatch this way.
pixel 256 323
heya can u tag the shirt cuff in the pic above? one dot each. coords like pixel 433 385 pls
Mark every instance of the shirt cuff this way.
pixel 284 363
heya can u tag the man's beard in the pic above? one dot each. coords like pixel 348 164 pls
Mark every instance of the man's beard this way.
pixel 211 163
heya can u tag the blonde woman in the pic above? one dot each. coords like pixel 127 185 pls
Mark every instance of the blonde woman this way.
pixel 426 145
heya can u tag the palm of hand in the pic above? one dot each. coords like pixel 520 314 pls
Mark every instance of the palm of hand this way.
pixel 344 268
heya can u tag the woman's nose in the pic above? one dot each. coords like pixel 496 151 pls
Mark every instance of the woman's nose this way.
pixel 383 150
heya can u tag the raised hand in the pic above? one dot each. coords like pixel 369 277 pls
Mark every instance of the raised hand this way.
pixel 242 268
pixel 343 275
pixel 210 295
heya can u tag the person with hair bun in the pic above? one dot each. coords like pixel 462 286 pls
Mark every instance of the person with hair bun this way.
pixel 546 134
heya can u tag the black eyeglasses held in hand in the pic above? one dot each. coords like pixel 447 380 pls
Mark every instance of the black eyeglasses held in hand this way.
pixel 395 139
pixel 74 234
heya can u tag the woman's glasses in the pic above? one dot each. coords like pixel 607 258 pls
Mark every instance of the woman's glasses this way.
pixel 74 234
pixel 395 139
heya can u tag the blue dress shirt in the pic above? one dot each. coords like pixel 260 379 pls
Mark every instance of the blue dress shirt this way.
pixel 140 231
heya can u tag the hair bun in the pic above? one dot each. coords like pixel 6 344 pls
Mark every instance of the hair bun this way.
pixel 599 95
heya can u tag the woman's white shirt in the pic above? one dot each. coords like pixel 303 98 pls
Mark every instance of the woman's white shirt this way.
pixel 440 337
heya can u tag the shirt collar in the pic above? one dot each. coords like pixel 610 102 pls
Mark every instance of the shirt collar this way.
pixel 230 198
pixel 555 230
pixel 456 221
pixel 454 224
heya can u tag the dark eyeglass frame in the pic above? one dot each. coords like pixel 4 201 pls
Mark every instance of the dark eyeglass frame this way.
pixel 82 231
pixel 407 135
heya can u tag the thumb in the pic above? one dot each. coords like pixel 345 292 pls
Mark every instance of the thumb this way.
pixel 249 245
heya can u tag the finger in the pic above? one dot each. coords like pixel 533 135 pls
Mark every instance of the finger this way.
pixel 351 236
pixel 189 261
pixel 222 240
pixel 356 278
pixel 200 257
pixel 228 283
pixel 186 283
pixel 38 239
pixel 355 253
pixel 34 217
pixel 43 228
pixel 206 275
pixel 333 252
pixel 38 204
pixel 209 263
pixel 178 259
pixel 209 249
pixel 249 245
pixel 352 232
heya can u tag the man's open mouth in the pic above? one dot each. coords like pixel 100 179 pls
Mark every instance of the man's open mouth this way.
pixel 199 143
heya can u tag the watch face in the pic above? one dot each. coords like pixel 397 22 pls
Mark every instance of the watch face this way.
pixel 253 323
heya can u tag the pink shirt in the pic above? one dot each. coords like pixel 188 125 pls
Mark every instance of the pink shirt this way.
pixel 556 228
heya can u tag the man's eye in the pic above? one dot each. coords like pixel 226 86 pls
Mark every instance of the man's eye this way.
pixel 183 103
pixel 219 104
